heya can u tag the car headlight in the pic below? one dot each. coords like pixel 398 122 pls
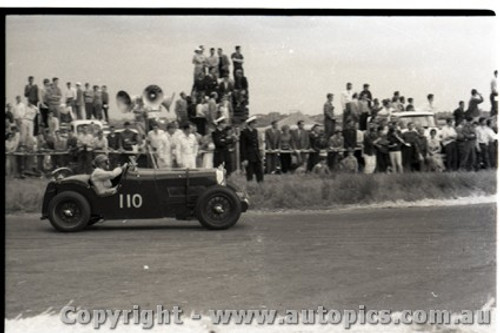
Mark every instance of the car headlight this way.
pixel 220 176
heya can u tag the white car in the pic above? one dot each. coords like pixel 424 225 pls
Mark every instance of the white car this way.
pixel 76 125
pixel 424 119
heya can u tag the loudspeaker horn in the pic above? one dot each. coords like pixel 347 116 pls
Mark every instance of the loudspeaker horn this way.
pixel 153 96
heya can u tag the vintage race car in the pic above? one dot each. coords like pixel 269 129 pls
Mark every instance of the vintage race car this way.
pixel 72 203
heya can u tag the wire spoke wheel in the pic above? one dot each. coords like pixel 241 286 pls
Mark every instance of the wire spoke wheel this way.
pixel 218 208
pixel 69 211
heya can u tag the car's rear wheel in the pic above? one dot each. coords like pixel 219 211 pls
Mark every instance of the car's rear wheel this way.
pixel 69 211
pixel 218 208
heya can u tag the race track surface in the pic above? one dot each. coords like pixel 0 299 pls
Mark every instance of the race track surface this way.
pixel 411 258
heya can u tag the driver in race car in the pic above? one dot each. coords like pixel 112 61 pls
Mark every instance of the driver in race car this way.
pixel 101 176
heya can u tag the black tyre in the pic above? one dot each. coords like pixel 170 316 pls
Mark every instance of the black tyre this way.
pixel 218 208
pixel 69 211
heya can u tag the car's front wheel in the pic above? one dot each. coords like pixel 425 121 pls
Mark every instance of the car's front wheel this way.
pixel 69 211
pixel 218 208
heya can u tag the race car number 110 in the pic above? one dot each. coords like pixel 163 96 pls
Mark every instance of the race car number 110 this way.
pixel 130 201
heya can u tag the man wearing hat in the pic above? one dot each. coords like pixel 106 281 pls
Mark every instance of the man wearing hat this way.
pixel 101 176
pixel 199 62
pixel 222 144
pixel 251 158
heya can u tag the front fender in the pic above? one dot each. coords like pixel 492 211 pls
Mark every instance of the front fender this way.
pixel 53 188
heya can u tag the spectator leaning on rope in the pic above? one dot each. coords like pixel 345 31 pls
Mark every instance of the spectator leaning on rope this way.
pixel 300 142
pixel 272 137
pixel 315 140
pixel 395 143
pixel 336 144
pixel 285 144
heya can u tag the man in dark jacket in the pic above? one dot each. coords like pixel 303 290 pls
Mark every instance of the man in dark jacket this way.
pixel 222 144
pixel 223 63
pixel 272 136
pixel 329 116
pixel 251 158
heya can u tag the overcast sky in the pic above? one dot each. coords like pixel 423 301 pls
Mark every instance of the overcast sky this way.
pixel 290 62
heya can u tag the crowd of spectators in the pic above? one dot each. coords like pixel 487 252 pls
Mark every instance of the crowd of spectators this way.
pixel 215 93
pixel 206 129
pixel 369 138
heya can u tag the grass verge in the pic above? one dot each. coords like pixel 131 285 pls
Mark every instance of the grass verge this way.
pixel 309 191
pixel 313 192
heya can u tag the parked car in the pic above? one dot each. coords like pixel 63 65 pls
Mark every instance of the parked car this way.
pixel 72 203
pixel 424 119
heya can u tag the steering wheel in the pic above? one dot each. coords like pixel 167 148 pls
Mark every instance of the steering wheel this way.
pixel 132 162
pixel 123 177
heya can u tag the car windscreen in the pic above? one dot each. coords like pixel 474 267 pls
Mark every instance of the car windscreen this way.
pixel 423 121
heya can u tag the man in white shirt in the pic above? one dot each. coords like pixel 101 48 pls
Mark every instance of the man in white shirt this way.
pixel 482 142
pixel 186 148
pixel 18 111
pixel 70 95
pixel 449 141
pixel 100 142
pixel 53 123
pixel 346 96
pixel 84 137
pixel 429 106
pixel 28 122
pixel 101 176
pixel 167 147
pixel 494 95
pixel 155 138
